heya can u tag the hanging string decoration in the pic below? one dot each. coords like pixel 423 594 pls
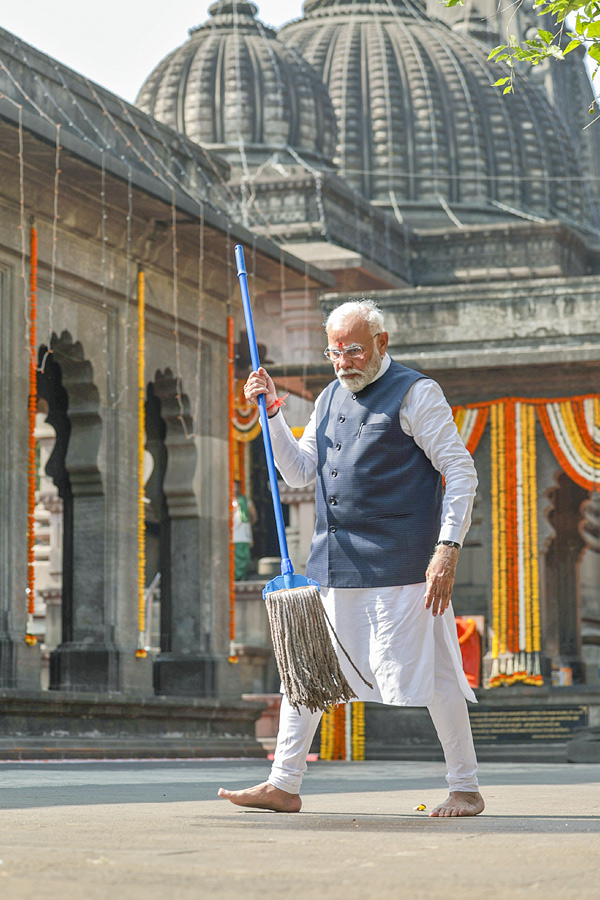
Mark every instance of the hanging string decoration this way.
pixel 141 652
pixel 55 219
pixel 200 322
pixel 572 428
pixel 30 637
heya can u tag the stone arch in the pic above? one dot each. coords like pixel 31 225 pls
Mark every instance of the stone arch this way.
pixel 181 451
pixel 158 520
pixel 83 411
pixel 84 660
pixel 65 382
pixel 50 389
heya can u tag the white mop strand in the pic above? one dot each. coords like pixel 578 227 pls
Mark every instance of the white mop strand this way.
pixel 307 662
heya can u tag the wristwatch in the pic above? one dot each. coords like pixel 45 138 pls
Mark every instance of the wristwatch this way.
pixel 449 544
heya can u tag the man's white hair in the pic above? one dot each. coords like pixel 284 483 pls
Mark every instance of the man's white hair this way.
pixel 356 309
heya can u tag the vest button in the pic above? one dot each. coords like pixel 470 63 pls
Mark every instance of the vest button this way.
pixel 342 419
pixel 338 446
pixel 333 528
pixel 354 396
pixel 334 473
pixel 333 501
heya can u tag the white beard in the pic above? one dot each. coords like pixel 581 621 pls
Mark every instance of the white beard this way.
pixel 366 375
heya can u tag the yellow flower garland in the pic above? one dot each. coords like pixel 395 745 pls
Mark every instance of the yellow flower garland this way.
pixel 333 727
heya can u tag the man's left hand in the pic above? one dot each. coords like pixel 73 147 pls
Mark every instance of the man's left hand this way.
pixel 440 579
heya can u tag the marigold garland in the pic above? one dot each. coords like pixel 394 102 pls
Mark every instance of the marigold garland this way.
pixel 232 658
pixel 570 429
pixel 471 424
pixel 141 651
pixel 358 729
pixel 244 416
pixel 30 637
pixel 515 577
pixel 343 732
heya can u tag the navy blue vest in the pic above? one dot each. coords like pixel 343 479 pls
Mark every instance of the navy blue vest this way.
pixel 378 497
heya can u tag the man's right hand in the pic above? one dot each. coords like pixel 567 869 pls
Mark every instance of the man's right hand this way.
pixel 260 382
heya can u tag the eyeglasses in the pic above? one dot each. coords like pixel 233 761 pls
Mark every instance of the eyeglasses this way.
pixel 352 351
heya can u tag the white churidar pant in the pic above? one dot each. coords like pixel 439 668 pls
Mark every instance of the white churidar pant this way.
pixel 412 659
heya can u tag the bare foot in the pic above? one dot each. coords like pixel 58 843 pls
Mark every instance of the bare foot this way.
pixel 264 796
pixel 460 803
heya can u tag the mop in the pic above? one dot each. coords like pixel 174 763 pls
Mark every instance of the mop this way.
pixel 307 662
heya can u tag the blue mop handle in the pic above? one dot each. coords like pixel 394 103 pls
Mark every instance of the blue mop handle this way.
pixel 286 565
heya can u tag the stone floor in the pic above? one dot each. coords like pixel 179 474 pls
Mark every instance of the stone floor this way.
pixel 102 830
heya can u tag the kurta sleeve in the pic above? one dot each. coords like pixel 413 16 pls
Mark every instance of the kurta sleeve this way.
pixel 296 460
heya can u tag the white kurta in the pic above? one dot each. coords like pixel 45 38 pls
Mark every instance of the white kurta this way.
pixel 390 638
pixel 387 631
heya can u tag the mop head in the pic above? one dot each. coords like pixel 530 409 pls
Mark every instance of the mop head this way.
pixel 307 662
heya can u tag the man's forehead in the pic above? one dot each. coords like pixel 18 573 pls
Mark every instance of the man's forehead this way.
pixel 350 330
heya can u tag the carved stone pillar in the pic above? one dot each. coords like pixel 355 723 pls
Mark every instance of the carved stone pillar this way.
pixel 302 522
pixel 589 580
pixel 562 627
pixel 86 659
pixel 187 664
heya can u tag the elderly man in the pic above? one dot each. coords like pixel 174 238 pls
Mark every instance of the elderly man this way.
pixel 385 546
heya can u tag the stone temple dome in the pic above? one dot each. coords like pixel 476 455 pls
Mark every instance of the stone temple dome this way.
pixel 234 87
pixel 419 124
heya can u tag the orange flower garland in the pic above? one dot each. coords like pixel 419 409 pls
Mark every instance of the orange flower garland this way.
pixel 516 643
pixel 141 652
pixel 233 658
pixel 573 437
pixel 343 732
pixel 30 637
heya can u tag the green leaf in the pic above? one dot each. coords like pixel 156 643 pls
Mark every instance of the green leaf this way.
pixel 546 36
pixel 512 40
pixel 496 50
pixel 450 3
pixel 579 24
pixel 593 30
pixel 502 57
pixel 595 52
pixel 571 46
pixel 501 81
pixel 508 89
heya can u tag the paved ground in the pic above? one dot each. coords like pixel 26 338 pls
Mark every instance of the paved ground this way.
pixel 143 831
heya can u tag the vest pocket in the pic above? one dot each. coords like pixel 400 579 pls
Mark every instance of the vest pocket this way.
pixel 370 427
pixel 390 516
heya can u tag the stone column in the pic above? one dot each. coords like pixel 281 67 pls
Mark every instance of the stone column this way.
pixel 86 659
pixel 188 664
pixel 302 522
pixel 562 628
pixel 19 663
pixel 589 579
